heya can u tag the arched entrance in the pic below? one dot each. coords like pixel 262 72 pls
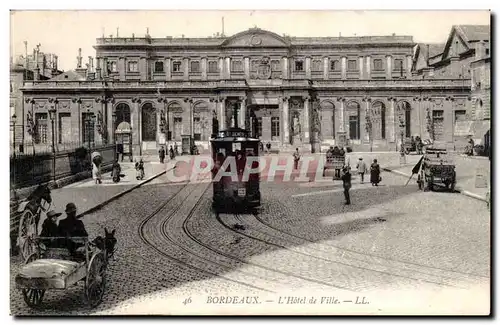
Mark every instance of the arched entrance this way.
pixel 405 117
pixel 122 112
pixel 327 120
pixel 149 124
pixel 353 115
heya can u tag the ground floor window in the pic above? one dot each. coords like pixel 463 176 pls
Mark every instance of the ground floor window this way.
pixel 197 128
pixel 438 123
pixel 64 128
pixel 275 126
pixel 88 128
pixel 354 127
pixel 41 127
pixel 259 127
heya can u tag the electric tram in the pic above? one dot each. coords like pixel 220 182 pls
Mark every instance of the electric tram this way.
pixel 235 144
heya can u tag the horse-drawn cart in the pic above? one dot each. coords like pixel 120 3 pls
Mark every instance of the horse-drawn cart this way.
pixel 54 268
pixel 437 168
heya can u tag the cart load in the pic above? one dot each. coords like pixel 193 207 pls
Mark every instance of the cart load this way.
pixel 438 168
pixel 333 164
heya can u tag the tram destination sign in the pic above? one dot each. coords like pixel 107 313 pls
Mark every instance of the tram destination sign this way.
pixel 233 133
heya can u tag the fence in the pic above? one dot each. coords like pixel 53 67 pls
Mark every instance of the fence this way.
pixel 28 169
pixel 27 147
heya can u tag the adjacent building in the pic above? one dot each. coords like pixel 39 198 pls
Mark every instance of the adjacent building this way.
pixel 289 91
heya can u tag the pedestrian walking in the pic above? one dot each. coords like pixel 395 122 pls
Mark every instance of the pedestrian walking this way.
pixel 346 180
pixel 116 172
pixel 361 167
pixel 176 149
pixel 161 153
pixel 375 173
pixel 96 173
pixel 171 153
pixel 268 146
pixel 139 167
pixel 296 158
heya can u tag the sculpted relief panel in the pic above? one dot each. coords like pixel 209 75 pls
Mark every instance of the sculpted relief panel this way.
pixel 255 40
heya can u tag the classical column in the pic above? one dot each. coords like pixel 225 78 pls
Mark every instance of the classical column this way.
pixel 189 102
pixel 286 119
pixel 222 110
pixel 203 66
pixel 105 67
pixel 185 64
pixel 409 63
pixel 246 67
pixel 325 68
pixel 364 114
pixel 308 67
pixel 136 124
pixel 388 67
pixel 168 66
pixel 76 126
pixel 368 68
pixel 221 68
pixel 361 68
pixel 417 105
pixel 121 68
pixel 285 67
pixel 448 119
pixel 143 69
pixel 242 112
pixel 343 64
pixel 391 120
pixel 341 100
pixel 98 69
pixel 228 68
pixel 306 118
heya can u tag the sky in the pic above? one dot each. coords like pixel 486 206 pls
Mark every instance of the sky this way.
pixel 63 32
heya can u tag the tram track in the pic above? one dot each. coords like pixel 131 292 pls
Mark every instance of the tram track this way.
pixel 368 262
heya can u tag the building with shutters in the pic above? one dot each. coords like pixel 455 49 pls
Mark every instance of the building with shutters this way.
pixel 305 92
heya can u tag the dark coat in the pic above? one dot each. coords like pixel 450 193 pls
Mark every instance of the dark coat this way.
pixel 346 179
pixel 49 229
pixel 162 152
pixel 375 173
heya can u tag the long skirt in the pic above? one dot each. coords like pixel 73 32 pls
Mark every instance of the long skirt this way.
pixel 375 176
pixel 96 172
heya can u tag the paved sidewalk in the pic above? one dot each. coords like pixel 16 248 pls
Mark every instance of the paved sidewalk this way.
pixel 467 168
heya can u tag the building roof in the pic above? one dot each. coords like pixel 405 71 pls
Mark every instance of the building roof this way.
pixel 70 75
pixel 435 49
pixel 474 33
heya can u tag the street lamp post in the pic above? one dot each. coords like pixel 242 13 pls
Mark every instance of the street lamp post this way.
pixel 14 118
pixel 113 136
pixel 402 149
pixel 89 118
pixel 52 113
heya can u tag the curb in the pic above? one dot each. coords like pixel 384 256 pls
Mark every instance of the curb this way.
pixel 116 196
pixel 461 191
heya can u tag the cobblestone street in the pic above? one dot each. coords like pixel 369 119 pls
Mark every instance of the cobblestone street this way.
pixel 172 247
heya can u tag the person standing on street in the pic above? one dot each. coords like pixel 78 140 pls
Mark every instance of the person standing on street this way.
pixel 375 173
pixel 161 153
pixel 361 167
pixel 296 158
pixel 346 180
pixel 176 149
pixel 171 153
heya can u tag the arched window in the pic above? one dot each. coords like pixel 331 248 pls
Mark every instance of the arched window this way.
pixel 122 111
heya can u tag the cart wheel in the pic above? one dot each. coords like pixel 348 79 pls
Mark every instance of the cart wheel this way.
pixel 27 230
pixel 95 281
pixel 33 297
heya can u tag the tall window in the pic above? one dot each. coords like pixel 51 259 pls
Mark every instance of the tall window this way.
pixel 398 64
pixel 236 66
pixel 334 65
pixel 212 67
pixel 438 121
pixel 88 128
pixel 353 127
pixel 316 65
pixel 177 128
pixel 41 127
pixel 352 65
pixel 112 66
pixel 133 67
pixel 176 66
pixel 158 66
pixel 299 65
pixel 378 64
pixel 275 126
pixel 259 126
pixel 197 128
pixel 195 66
pixel 64 127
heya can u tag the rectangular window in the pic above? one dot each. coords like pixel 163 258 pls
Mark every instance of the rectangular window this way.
pixel 133 66
pixel 177 128
pixel 316 65
pixel 352 65
pixel 88 128
pixel 195 66
pixel 259 126
pixel 275 65
pixel 299 65
pixel 176 66
pixel 378 64
pixel 41 127
pixel 158 66
pixel 197 128
pixel 353 127
pixel 64 127
pixel 334 65
pixel 398 64
pixel 212 67
pixel 275 126
pixel 236 66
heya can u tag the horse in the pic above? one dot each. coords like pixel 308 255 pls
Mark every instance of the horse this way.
pixel 106 244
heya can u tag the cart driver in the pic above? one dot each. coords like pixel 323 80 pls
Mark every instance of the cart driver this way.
pixel 72 227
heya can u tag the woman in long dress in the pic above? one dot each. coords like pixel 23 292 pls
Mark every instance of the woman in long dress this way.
pixel 374 173
pixel 96 173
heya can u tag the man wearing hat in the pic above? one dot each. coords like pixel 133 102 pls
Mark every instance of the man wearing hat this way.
pixel 49 226
pixel 361 167
pixel 346 179
pixel 71 226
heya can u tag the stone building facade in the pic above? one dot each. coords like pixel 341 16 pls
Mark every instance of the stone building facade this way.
pixel 289 91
